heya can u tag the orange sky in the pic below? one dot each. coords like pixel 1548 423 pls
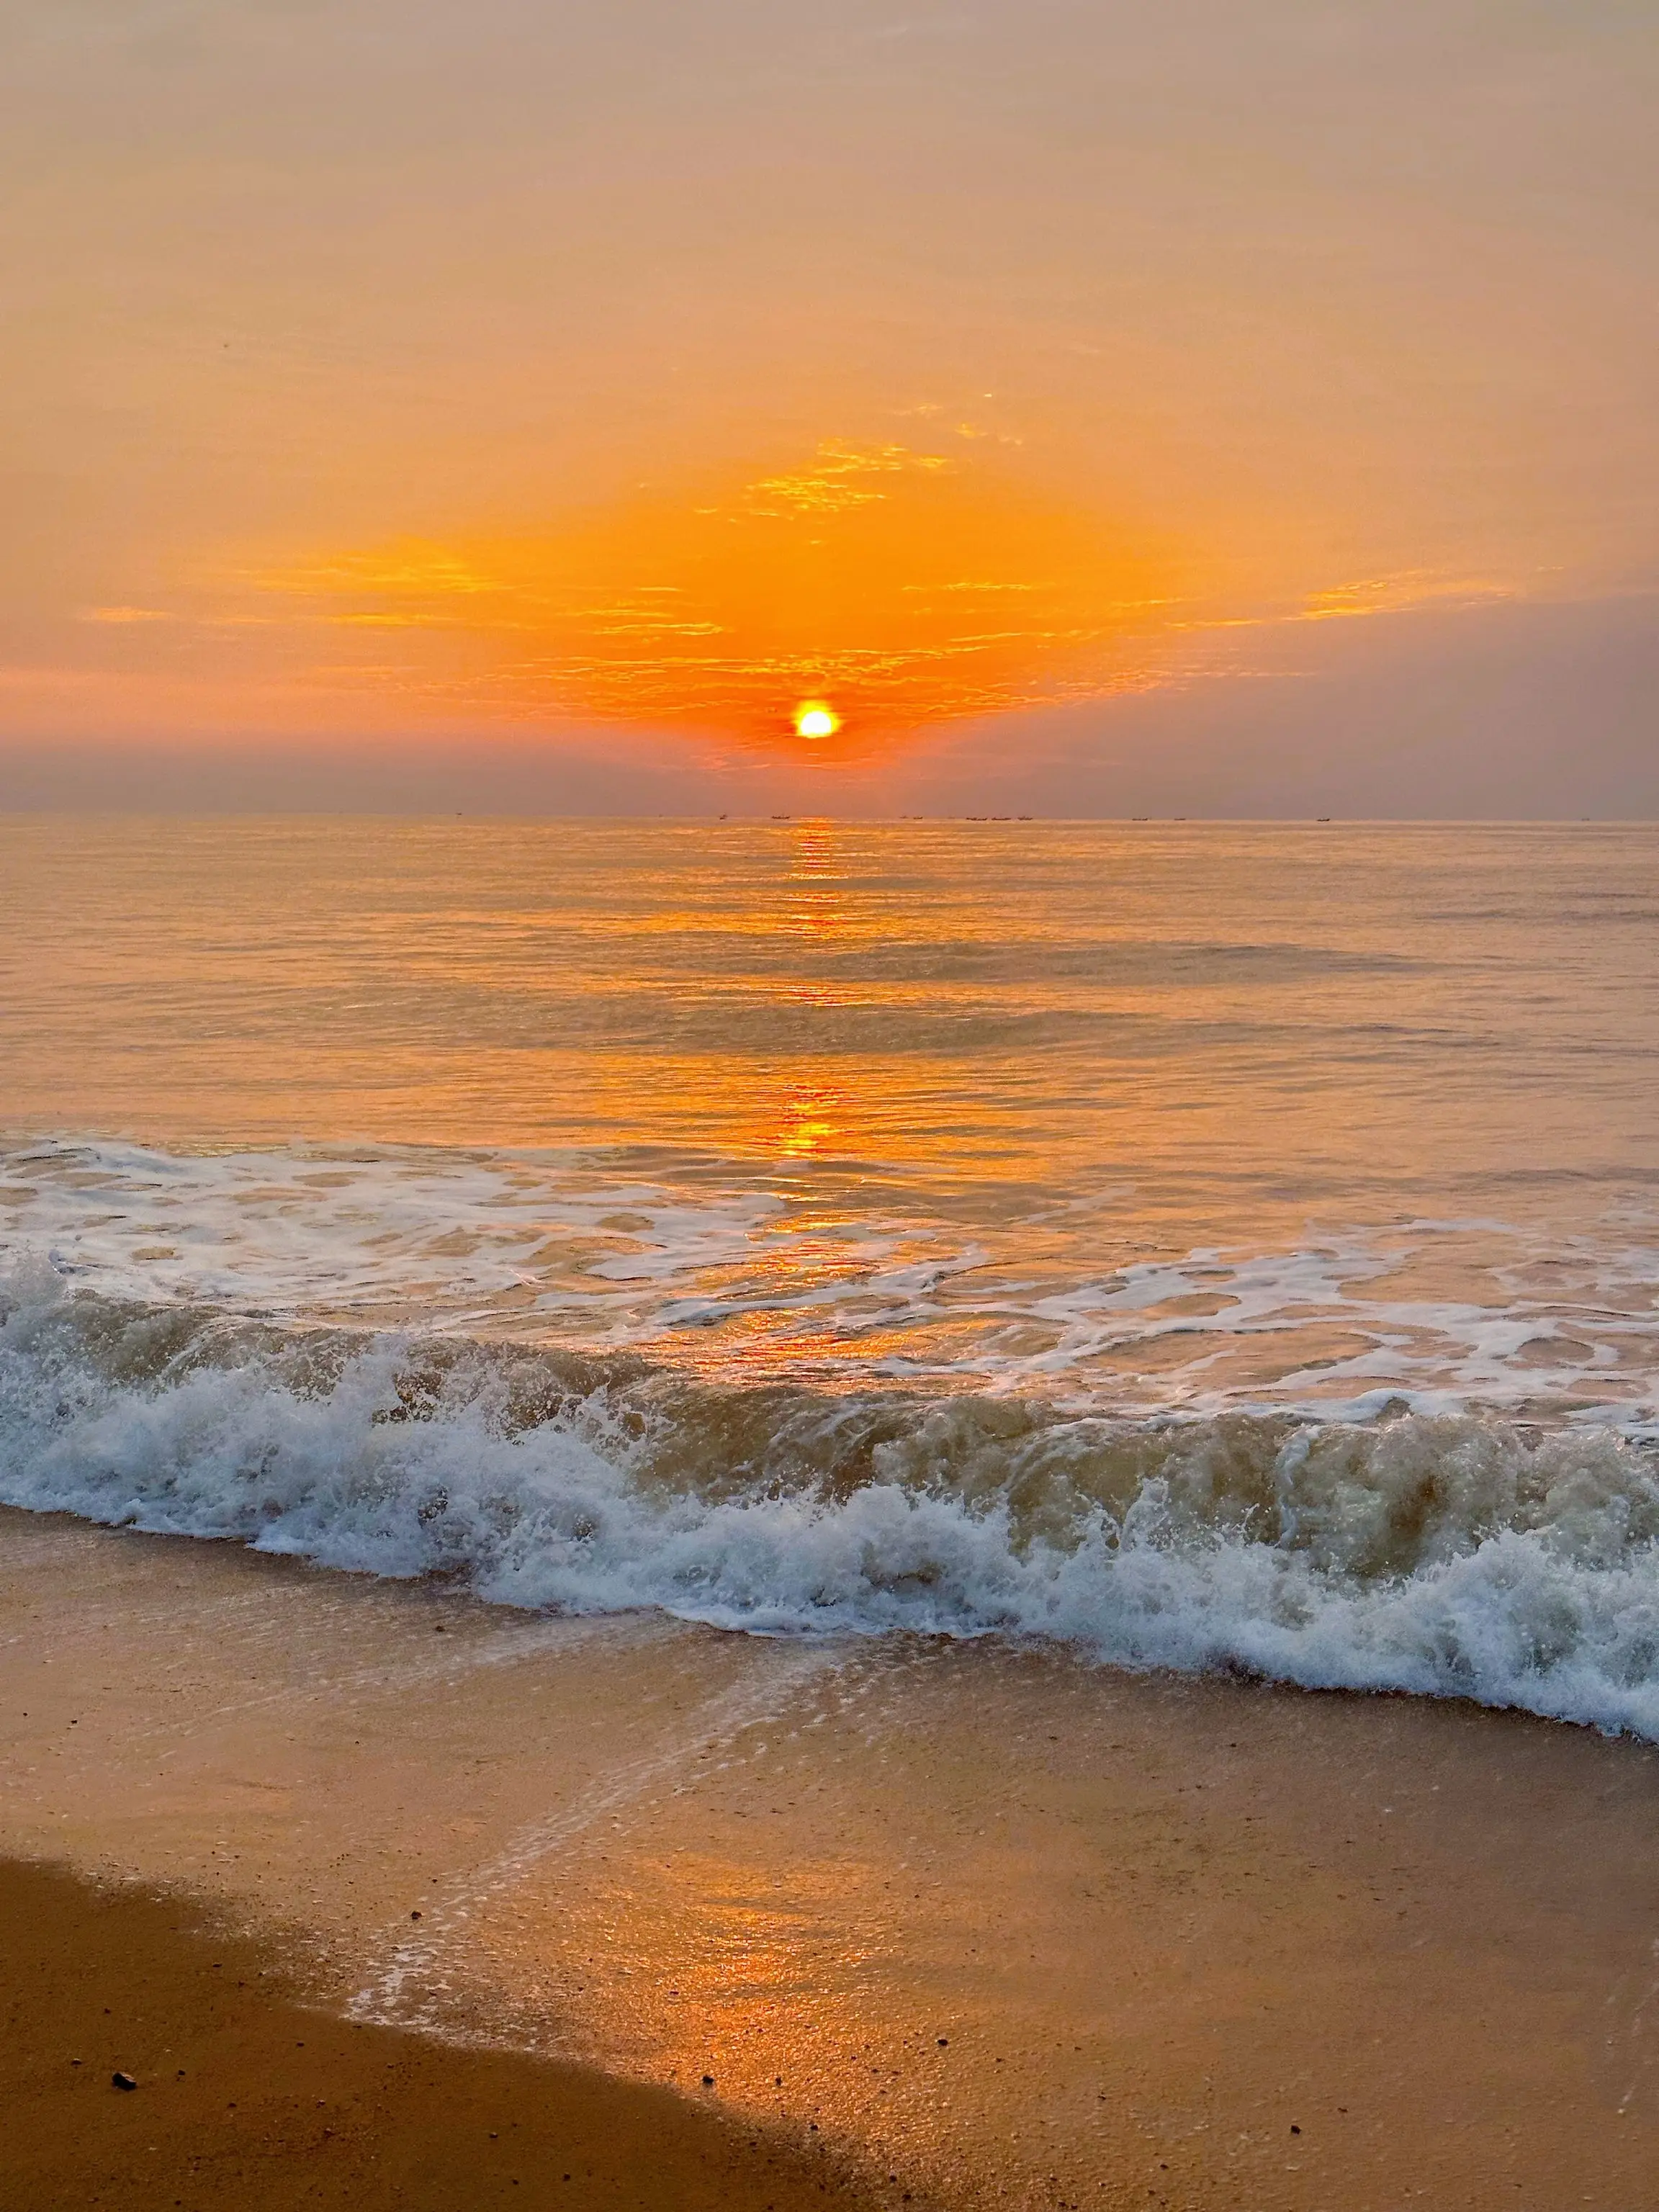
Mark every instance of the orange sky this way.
pixel 891 586
pixel 377 367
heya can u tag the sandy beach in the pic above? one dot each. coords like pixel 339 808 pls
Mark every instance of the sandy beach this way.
pixel 242 2096
pixel 1006 1928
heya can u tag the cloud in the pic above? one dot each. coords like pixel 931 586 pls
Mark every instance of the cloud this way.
pixel 1403 589
pixel 1498 711
pixel 908 587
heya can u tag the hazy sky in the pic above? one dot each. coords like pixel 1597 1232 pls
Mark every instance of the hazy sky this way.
pixel 1098 407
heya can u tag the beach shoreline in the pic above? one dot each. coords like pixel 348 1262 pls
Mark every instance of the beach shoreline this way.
pixel 244 2094
pixel 1004 1926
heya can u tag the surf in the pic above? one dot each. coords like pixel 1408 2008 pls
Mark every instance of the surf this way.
pixel 1445 1554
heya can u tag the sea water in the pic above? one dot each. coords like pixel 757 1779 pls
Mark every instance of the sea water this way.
pixel 1196 1246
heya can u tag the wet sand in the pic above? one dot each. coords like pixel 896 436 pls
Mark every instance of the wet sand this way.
pixel 1009 1929
pixel 243 2097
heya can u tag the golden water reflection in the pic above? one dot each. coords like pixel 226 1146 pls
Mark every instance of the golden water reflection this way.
pixel 754 1093
pixel 811 1118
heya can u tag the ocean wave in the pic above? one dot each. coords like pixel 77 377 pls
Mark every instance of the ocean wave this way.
pixel 1445 1553
pixel 712 1269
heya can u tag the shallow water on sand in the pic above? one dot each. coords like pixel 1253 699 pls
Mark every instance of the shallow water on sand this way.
pixel 1009 1929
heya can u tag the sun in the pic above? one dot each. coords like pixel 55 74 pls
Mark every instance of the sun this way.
pixel 814 719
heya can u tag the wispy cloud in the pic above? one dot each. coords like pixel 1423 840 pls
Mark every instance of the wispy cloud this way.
pixel 1399 592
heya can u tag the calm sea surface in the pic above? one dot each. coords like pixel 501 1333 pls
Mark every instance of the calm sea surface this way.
pixel 1203 1244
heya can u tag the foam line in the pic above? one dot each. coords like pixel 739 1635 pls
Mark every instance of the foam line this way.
pixel 1447 1552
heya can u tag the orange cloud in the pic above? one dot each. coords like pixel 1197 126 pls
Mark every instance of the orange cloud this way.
pixel 1403 592
pixel 900 588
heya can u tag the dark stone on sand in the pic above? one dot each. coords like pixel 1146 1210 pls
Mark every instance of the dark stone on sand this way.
pixel 708 2081
pixel 122 2081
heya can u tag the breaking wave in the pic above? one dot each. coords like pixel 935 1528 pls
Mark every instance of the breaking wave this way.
pixel 1454 1554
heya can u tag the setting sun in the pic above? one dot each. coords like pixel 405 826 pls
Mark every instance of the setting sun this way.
pixel 859 590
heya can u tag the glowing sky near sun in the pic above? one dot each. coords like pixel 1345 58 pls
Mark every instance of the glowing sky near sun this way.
pixel 865 590
pixel 384 364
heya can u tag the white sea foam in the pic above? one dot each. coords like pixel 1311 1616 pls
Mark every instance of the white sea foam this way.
pixel 331 1228
pixel 1441 1313
pixel 1436 1553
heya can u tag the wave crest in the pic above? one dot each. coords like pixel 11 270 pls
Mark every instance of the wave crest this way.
pixel 1451 1554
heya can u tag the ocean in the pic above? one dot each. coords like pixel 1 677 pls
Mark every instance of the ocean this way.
pixel 1215 1247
